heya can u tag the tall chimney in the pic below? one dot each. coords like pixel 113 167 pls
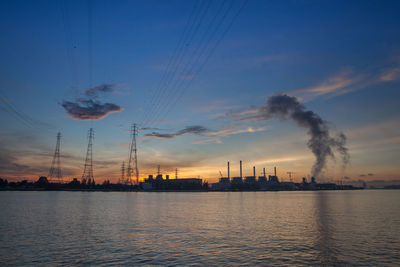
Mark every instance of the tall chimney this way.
pixel 254 171
pixel 275 171
pixel 264 172
pixel 240 169
pixel 228 170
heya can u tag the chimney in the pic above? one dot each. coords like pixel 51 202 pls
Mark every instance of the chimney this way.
pixel 275 171
pixel 254 171
pixel 240 169
pixel 228 170
pixel 264 172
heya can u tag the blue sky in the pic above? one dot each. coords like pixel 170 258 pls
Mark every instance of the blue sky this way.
pixel 341 59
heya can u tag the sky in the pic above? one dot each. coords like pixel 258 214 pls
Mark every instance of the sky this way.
pixel 197 77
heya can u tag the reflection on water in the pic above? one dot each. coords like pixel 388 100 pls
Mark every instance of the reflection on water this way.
pixel 216 228
pixel 324 236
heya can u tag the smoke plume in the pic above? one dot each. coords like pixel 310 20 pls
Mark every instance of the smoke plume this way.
pixel 321 143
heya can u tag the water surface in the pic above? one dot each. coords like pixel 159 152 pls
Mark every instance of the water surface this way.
pixel 205 228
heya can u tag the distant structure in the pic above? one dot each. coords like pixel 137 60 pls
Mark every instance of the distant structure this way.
pixel 159 183
pixel 87 175
pixel 250 182
pixel 133 171
pixel 122 180
pixel 290 176
pixel 55 169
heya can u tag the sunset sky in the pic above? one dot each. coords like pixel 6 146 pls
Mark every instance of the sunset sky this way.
pixel 192 73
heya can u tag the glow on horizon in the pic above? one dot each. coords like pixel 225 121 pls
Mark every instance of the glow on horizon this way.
pixel 298 48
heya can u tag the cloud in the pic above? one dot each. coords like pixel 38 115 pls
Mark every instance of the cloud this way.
pixel 347 81
pixel 390 75
pixel 347 178
pixel 89 109
pixel 341 83
pixel 368 174
pixel 213 135
pixel 232 130
pixel 103 88
pixel 197 130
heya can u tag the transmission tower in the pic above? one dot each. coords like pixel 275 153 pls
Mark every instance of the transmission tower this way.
pixel 88 170
pixel 55 169
pixel 176 173
pixel 122 172
pixel 133 171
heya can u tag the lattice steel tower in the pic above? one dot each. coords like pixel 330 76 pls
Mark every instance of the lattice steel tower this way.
pixel 133 171
pixel 55 169
pixel 88 170
pixel 122 180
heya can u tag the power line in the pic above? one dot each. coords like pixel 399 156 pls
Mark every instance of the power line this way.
pixel 187 41
pixel 173 58
pixel 199 51
pixel 90 49
pixel 69 44
pixel 172 104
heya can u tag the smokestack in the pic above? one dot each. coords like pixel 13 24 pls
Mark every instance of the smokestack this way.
pixel 254 171
pixel 275 171
pixel 264 172
pixel 240 169
pixel 228 170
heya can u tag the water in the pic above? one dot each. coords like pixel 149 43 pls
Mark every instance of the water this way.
pixel 215 228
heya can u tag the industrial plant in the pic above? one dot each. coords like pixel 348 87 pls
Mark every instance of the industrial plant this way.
pixel 129 180
pixel 272 183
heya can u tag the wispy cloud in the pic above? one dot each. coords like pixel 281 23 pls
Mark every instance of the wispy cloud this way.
pixel 390 75
pixel 366 175
pixel 232 130
pixel 341 83
pixel 103 88
pixel 196 130
pixel 346 81
pixel 213 136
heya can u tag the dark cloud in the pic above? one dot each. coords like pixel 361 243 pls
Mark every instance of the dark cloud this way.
pixel 103 88
pixel 89 109
pixel 347 178
pixel 366 175
pixel 197 130
pixel 321 143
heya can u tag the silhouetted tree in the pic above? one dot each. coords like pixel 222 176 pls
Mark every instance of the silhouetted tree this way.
pixel 3 183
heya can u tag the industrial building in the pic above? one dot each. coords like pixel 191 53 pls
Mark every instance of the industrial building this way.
pixel 251 182
pixel 159 183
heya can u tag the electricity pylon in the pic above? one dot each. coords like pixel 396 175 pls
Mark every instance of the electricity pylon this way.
pixel 122 173
pixel 88 169
pixel 55 169
pixel 133 171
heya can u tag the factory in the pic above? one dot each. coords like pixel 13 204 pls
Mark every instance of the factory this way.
pixel 159 183
pixel 251 182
